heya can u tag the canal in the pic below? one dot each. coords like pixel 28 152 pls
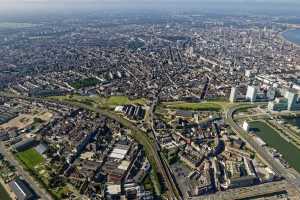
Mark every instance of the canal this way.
pixel 273 139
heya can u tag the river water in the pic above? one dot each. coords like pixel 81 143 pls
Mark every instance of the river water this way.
pixel 292 35
pixel 272 138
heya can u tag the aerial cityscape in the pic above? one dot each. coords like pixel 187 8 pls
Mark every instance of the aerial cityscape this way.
pixel 150 100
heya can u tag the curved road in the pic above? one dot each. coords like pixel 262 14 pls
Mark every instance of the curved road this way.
pixel 277 167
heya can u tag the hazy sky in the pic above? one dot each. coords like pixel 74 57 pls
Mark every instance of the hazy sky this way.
pixel 135 1
pixel 57 2
pixel 277 6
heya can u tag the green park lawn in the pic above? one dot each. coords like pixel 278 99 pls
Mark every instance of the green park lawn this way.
pixel 215 105
pixel 31 158
pixel 85 83
pixel 121 100
pixel 203 106
pixel 97 101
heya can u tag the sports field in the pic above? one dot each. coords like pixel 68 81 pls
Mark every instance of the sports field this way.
pixel 31 158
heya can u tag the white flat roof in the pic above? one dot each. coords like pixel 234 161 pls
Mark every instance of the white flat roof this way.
pixel 114 189
pixel 124 165
pixel 120 151
pixel 117 155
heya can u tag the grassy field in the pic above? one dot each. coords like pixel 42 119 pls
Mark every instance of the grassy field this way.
pixel 88 82
pixel 121 100
pixel 30 158
pixel 97 101
pixel 35 165
pixel 203 106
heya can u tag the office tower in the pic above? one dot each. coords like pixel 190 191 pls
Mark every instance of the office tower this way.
pixel 233 94
pixel 293 101
pixel 251 93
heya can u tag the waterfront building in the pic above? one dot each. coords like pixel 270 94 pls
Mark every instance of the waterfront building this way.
pixel 279 104
pixel 290 101
pixel 271 94
pixel 293 100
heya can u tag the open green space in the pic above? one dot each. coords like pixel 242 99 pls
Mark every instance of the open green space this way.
pixel 121 100
pixel 203 106
pixel 34 163
pixel 272 138
pixel 88 82
pixel 101 102
pixel 59 193
pixel 14 25
pixel 3 193
pixel 30 158
pixel 148 183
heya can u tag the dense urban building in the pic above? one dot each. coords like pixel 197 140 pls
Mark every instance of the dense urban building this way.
pixel 149 106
